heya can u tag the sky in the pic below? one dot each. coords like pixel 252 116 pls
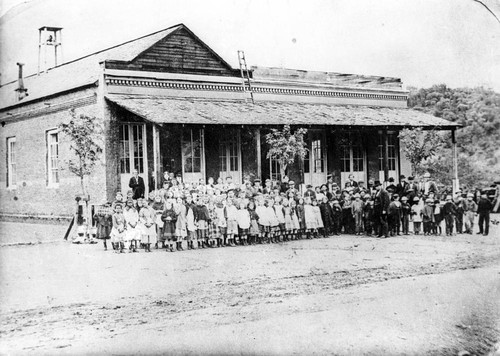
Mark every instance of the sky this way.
pixel 424 42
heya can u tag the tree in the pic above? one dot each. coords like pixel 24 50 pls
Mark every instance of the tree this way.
pixel 83 133
pixel 418 146
pixel 286 145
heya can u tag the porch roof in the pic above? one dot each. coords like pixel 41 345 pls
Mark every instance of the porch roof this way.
pixel 164 110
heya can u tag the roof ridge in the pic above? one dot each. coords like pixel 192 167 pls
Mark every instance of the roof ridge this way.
pixel 101 51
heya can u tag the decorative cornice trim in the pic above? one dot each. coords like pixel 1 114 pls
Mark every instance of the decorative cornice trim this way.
pixel 41 111
pixel 256 89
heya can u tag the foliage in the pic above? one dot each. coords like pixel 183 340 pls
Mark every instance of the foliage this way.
pixel 478 110
pixel 83 133
pixel 419 145
pixel 285 146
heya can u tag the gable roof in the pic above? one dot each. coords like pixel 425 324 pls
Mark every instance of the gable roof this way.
pixel 85 70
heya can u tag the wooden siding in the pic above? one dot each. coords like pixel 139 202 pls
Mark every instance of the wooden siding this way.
pixel 180 52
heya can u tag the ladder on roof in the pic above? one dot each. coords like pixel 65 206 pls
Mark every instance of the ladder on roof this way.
pixel 245 76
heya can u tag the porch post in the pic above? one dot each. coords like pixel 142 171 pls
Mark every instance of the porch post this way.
pixel 156 146
pixel 259 163
pixel 456 185
pixel 385 151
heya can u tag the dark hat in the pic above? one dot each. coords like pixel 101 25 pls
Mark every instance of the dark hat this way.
pixel 391 179
pixel 256 180
pixel 402 176
pixel 377 183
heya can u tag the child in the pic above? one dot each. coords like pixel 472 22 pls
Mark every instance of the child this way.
pixel 169 218
pixel 317 217
pixel 417 211
pixel 158 206
pixel 449 211
pixel 254 226
pixel 438 218
pixel 232 223
pixel 118 229
pixel 405 215
pixel 470 209
pixel 337 217
pixel 459 217
pixel 131 218
pixel 147 217
pixel 295 219
pixel 243 219
pixel 394 216
pixel 104 223
pixel 301 217
pixel 357 213
pixel 287 212
pixel 347 213
pixel 309 215
pixel 278 210
pixel 212 226
pixel 428 216
pixel 202 219
pixel 273 219
pixel 326 216
pixel 118 200
pixel 180 224
pixel 368 215
pixel 263 221
pixel 190 221
pixel 220 210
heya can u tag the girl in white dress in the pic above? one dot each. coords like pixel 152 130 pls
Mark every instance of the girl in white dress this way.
pixel 133 233
pixel 147 217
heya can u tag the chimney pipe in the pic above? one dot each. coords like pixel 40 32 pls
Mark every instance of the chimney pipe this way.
pixel 22 92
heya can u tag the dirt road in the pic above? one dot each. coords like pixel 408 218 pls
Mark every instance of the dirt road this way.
pixel 348 295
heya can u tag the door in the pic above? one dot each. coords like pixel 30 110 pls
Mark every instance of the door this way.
pixel 133 154
pixel 352 161
pixel 392 156
pixel 230 157
pixel 193 155
pixel 315 162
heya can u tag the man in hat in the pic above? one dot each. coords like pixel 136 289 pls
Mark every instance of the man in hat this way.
pixel 402 186
pixel 136 183
pixel 381 207
pixel 484 207
pixel 257 186
pixel 291 188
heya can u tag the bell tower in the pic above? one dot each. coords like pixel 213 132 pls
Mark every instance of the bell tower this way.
pixel 49 37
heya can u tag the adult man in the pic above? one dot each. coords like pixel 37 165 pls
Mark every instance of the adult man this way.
pixel 380 208
pixel 136 183
pixel 291 188
pixel 354 184
pixel 483 209
pixel 402 186
pixel 310 193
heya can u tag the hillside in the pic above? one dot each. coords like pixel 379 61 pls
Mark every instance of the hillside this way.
pixel 478 110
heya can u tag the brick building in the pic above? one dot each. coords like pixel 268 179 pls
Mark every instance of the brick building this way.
pixel 169 102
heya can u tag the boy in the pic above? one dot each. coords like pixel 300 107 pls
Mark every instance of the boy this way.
pixel 470 208
pixel 357 213
pixel 428 216
pixel 449 211
pixel 394 216
pixel 484 207
pixel 405 215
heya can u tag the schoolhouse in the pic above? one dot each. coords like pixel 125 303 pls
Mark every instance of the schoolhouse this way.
pixel 168 102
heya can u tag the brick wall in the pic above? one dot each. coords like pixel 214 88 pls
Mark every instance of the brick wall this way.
pixel 32 195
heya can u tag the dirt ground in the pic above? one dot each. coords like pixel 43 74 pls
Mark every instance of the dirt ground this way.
pixel 407 295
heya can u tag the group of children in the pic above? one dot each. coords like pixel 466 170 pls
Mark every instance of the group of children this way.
pixel 200 215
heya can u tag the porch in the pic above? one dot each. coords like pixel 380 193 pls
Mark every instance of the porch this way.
pixel 199 139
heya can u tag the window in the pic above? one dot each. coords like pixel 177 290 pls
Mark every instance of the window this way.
pixel 345 158
pixel 391 145
pixel 318 166
pixel 11 162
pixel 274 169
pixel 191 150
pixel 52 158
pixel 131 153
